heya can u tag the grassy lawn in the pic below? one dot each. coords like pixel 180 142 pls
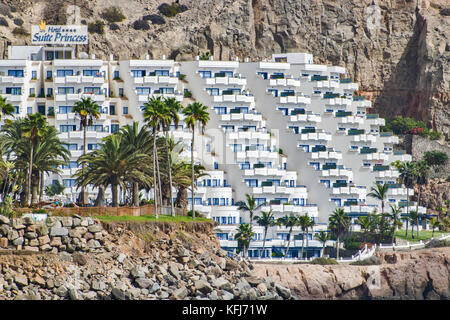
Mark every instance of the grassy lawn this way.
pixel 150 217
pixel 423 235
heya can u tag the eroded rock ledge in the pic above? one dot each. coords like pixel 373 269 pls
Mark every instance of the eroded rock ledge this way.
pixel 417 275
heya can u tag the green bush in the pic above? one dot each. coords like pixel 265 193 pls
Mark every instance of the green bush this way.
pixel 20 31
pixel 435 158
pixel 205 56
pixel 197 214
pixel 171 10
pixel 141 25
pixel 434 135
pixel 96 27
pixel 324 261
pixel 113 14
pixel 404 125
pixel 187 93
pixel 39 211
pixel 3 22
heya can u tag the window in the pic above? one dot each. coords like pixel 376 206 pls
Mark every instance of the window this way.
pixel 162 72
pixel 205 74
pixel 65 109
pixel 71 147
pixel 64 73
pixel 49 92
pixel 92 146
pixel 114 128
pixel 68 183
pixel 213 91
pixel 221 110
pixel 16 109
pixel 65 90
pixel 166 90
pixel 112 110
pixel 116 74
pixel 70 165
pixel 94 90
pixel 41 109
pixel 33 75
pixel 143 91
pixel 15 73
pixel 14 91
pixel 125 110
pixel 29 110
pixel 95 127
pixel 252 182
pixel 49 74
pixel 32 92
pixel 137 73
pixel 91 73
pixel 67 127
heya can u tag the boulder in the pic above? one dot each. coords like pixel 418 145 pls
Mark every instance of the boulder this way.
pixel 58 231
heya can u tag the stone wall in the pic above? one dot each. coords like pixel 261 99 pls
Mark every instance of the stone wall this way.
pixel 55 235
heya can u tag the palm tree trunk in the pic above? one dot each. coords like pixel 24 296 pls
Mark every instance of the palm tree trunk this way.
pixel 192 172
pixel 136 194
pixel 303 244
pixel 30 171
pixel 169 160
pixel 417 209
pixel 154 174
pixel 407 211
pixel 289 243
pixel 337 248
pixel 115 195
pixel 159 182
pixel 41 187
pixel 100 200
pixel 264 242
pixel 82 195
pixel 323 249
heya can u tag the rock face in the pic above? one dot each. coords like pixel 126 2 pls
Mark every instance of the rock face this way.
pixel 397 52
pixel 417 275
pixel 131 264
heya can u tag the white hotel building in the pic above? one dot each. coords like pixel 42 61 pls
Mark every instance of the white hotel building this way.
pixel 289 132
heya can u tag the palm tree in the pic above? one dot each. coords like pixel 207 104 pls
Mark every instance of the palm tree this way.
pixel 365 223
pixel 173 108
pixel 35 128
pixel 288 221
pixel 396 220
pixel 304 222
pixel 88 110
pixel 249 206
pixel 266 220
pixel 339 223
pixel 154 113
pixel 196 114
pixel 139 141
pixel 413 217
pixel 244 235
pixel 54 189
pixel 6 108
pixel 408 175
pixel 379 192
pixel 112 164
pixel 434 223
pixel 323 237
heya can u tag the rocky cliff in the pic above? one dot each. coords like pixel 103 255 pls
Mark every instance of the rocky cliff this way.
pixel 414 275
pixel 397 50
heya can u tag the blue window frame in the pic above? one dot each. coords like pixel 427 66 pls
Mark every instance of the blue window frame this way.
pixel 114 128
pixel 205 74
pixel 29 110
pixel 251 182
pixel 221 110
pixel 94 90
pixel 72 146
pixel 143 90
pixel 16 109
pixel 15 73
pixel 70 165
pixel 116 74
pixel 213 91
pixel 66 90
pixel 64 73
pixel 49 74
pixel 33 74
pixel 125 110
pixel 65 109
pixel 92 146
pixel 165 90
pixel 68 183
pixel 67 127
pixel 137 73
pixel 15 91
pixel 92 73
pixel 162 72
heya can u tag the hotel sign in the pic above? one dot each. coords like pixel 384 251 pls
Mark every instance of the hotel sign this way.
pixel 64 34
